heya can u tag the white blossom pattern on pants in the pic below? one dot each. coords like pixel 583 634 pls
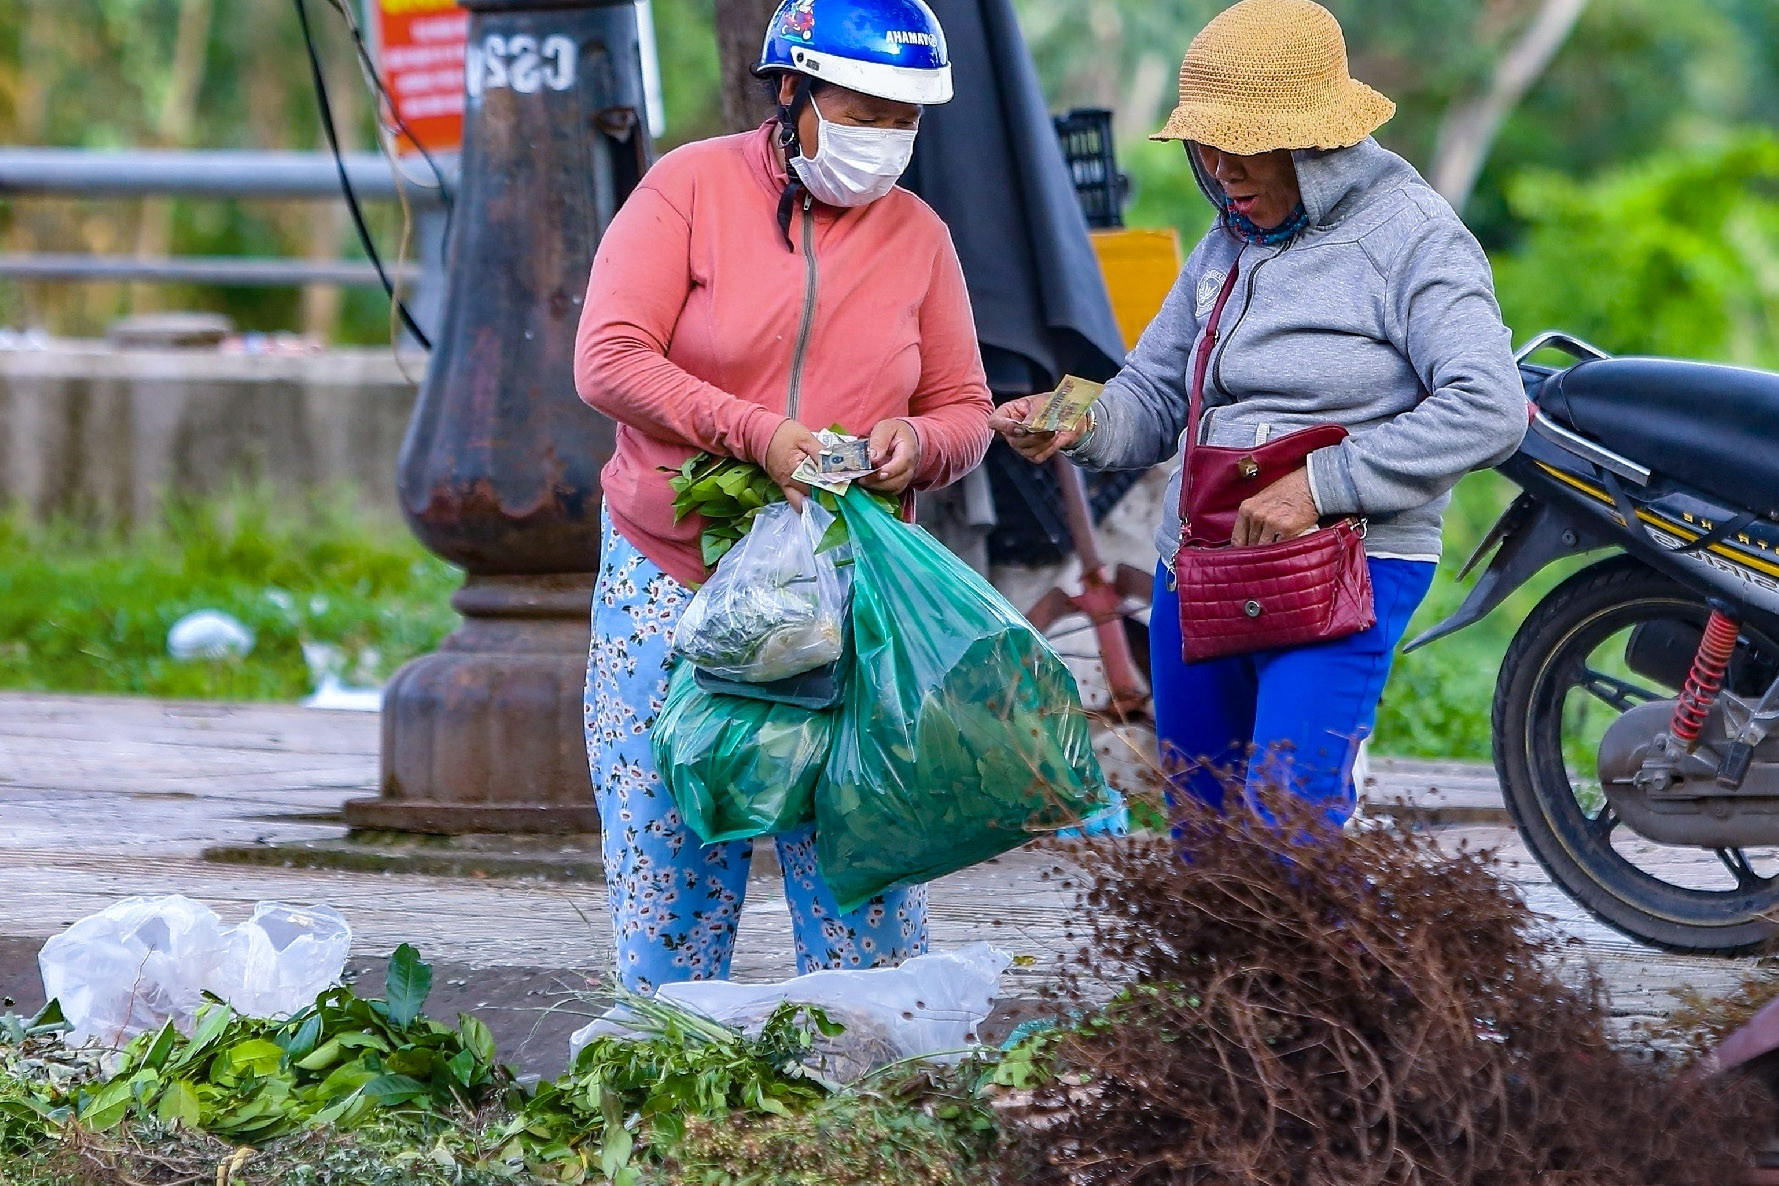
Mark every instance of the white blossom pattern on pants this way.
pixel 675 903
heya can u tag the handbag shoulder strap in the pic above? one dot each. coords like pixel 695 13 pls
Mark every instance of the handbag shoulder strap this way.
pixel 1196 399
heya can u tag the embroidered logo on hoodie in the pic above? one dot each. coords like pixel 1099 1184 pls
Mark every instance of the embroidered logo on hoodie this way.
pixel 1209 285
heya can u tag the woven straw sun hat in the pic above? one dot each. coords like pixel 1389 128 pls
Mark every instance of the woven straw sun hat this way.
pixel 1270 74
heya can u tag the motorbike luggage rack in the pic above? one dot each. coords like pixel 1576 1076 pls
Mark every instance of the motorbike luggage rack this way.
pixel 1569 439
pixel 1569 344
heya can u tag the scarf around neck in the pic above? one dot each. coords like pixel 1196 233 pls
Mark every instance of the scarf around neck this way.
pixel 1245 227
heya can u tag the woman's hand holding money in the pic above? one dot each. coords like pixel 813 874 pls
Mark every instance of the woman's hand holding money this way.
pixel 791 445
pixel 1010 421
pixel 895 454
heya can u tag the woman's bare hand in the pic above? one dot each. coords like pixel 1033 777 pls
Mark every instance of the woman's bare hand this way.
pixel 791 444
pixel 1284 510
pixel 895 451
pixel 1039 447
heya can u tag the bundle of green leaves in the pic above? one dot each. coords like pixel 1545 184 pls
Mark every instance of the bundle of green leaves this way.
pixel 628 1098
pixel 729 493
pixel 337 1062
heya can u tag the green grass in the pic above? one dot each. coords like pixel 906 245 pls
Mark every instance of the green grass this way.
pixel 1437 701
pixel 86 609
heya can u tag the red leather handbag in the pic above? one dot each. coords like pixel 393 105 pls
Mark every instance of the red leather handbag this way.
pixel 1235 600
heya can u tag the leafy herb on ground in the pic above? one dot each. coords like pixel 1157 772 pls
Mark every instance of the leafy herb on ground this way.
pixel 370 1091
pixel 40 1079
pixel 171 1099
pixel 335 1062
pixel 87 608
pixel 625 1100
pixel 386 1150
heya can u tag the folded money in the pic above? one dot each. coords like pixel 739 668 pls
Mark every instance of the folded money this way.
pixel 849 457
pixel 1062 409
pixel 850 452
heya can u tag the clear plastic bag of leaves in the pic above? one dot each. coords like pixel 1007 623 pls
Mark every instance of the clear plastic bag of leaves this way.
pixel 776 605
pixel 739 768
pixel 962 734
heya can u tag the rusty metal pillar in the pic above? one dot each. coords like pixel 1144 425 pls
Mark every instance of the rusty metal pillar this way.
pixel 500 470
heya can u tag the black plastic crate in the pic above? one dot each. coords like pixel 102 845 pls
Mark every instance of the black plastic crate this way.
pixel 1086 135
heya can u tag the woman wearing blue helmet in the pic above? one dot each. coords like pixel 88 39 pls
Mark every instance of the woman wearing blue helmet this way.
pixel 752 288
pixel 877 63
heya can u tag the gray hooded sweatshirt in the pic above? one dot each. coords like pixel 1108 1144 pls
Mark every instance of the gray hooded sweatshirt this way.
pixel 1380 317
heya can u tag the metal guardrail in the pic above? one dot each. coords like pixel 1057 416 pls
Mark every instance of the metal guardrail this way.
pixel 222 271
pixel 138 172
pixel 253 175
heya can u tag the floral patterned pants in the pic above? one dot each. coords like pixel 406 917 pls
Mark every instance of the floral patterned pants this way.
pixel 675 903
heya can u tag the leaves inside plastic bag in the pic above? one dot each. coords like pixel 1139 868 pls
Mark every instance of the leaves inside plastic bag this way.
pixel 962 734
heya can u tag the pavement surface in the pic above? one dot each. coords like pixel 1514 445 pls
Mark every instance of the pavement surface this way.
pixel 102 798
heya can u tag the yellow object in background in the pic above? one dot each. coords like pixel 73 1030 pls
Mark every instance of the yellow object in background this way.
pixel 1140 268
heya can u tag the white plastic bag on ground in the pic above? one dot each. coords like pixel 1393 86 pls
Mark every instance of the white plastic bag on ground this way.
pixel 131 966
pixel 775 607
pixel 138 962
pixel 280 958
pixel 930 1007
pixel 209 634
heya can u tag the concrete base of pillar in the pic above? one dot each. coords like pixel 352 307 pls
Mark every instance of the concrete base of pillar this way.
pixel 485 734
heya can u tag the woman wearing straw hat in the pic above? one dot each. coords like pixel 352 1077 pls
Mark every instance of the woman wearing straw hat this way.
pixel 1336 291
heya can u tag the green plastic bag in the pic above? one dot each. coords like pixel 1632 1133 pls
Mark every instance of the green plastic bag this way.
pixel 738 768
pixel 962 734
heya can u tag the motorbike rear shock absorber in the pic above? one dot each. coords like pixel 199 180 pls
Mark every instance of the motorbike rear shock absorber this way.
pixel 1710 665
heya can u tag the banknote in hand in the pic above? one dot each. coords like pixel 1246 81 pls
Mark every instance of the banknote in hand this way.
pixel 850 458
pixel 1062 410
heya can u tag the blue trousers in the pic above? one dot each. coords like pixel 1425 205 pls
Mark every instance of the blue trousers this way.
pixel 1289 718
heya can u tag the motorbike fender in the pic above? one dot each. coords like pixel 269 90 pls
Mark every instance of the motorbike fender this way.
pixel 1533 534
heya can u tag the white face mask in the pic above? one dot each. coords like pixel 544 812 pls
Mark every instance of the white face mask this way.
pixel 855 166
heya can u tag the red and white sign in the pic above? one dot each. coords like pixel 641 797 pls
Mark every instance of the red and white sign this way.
pixel 420 49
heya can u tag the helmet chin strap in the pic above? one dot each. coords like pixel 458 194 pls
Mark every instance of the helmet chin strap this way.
pixel 790 141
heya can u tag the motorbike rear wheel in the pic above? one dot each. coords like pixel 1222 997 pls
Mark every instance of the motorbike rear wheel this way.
pixel 1566 653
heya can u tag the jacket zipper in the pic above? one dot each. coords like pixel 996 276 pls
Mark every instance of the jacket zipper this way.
pixel 811 286
pixel 1247 303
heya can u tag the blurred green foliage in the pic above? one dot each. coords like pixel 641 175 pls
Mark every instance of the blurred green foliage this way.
pixel 94 73
pixel 1676 254
pixel 1438 699
pixel 1636 80
pixel 88 610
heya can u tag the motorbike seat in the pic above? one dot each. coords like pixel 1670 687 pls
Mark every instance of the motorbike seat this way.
pixel 1715 428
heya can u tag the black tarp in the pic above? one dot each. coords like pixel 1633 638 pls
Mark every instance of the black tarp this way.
pixel 989 162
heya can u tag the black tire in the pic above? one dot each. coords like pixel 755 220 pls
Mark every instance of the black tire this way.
pixel 1570 845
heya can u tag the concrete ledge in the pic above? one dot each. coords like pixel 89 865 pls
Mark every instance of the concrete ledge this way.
pixel 91 429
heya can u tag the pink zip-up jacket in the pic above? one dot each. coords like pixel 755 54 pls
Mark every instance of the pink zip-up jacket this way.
pixel 702 332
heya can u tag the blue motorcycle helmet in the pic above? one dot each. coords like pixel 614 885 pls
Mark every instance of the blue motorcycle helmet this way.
pixel 889 49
